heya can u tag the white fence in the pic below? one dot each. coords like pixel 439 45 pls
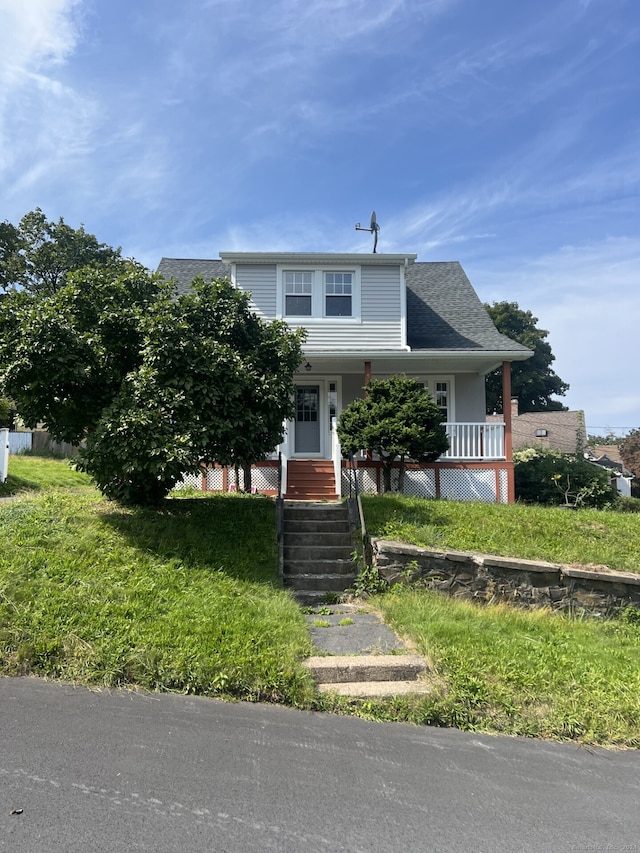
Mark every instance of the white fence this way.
pixel 19 442
pixel 4 454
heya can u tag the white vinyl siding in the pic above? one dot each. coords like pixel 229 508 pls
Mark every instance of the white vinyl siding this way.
pixel 376 305
pixel 380 323
pixel 261 280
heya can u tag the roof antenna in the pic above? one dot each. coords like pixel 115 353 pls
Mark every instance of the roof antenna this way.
pixel 373 229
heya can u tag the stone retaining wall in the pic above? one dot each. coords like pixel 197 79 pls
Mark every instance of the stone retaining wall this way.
pixel 527 583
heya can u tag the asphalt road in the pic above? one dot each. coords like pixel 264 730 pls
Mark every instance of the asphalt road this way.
pixel 117 771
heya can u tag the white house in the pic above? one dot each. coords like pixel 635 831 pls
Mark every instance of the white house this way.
pixel 370 316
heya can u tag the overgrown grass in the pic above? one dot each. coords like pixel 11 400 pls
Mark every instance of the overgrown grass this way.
pixel 516 672
pixel 185 598
pixel 36 473
pixel 533 532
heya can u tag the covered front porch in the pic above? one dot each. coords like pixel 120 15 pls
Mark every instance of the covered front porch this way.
pixel 477 466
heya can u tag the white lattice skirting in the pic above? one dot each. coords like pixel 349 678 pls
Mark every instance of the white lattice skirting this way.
pixel 460 485
pixel 455 483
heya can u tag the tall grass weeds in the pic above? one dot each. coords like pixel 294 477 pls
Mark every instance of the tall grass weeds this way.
pixel 185 598
pixel 518 672
pixel 585 536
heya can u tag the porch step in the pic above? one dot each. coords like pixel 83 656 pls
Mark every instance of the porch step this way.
pixel 308 479
pixel 317 550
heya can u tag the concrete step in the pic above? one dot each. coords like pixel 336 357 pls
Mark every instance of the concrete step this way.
pixel 311 597
pixel 319 567
pixel 314 511
pixel 328 582
pixel 314 496
pixel 308 540
pixel 325 525
pixel 317 552
pixel 345 669
pixel 377 689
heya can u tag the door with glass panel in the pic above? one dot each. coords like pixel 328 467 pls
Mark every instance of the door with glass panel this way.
pixel 307 419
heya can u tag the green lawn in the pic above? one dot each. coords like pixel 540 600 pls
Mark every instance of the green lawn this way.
pixel 586 536
pixel 183 598
pixel 187 598
pixel 34 473
pixel 521 672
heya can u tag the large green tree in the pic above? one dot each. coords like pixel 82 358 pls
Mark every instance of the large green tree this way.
pixel 533 382
pixel 397 418
pixel 38 254
pixel 155 384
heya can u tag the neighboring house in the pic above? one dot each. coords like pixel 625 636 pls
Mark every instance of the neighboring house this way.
pixel 563 431
pixel 607 456
pixel 370 316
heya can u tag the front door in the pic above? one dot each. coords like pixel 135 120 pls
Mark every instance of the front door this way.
pixel 307 422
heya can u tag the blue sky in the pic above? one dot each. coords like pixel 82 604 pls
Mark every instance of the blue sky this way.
pixel 502 134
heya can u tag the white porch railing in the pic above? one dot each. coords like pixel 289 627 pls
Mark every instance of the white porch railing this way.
pixel 475 441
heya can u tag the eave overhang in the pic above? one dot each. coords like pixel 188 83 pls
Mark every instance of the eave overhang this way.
pixel 317 258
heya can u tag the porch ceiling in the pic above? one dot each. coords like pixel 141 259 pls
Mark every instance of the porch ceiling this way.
pixel 405 362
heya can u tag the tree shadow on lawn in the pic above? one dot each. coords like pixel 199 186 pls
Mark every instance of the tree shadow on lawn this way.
pixel 395 508
pixel 231 534
pixel 13 486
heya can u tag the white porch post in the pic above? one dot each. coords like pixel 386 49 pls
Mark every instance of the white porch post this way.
pixel 508 441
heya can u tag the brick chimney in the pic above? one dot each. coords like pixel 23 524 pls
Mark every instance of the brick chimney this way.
pixel 514 407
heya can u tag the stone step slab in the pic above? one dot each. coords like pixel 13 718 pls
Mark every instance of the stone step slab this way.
pixel 319 567
pixel 308 540
pixel 377 689
pixel 345 669
pixel 317 552
pixel 328 582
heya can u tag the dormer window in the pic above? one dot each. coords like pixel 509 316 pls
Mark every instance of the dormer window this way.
pixel 298 294
pixel 337 293
pixel 314 295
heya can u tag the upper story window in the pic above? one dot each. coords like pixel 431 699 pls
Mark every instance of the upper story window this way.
pixel 338 292
pixel 298 294
pixel 318 294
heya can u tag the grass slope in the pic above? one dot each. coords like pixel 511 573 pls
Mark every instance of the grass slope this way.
pixel 185 598
pixel 518 672
pixel 533 532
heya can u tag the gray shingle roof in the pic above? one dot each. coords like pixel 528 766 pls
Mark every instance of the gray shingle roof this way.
pixel 184 270
pixel 443 310
pixel 445 313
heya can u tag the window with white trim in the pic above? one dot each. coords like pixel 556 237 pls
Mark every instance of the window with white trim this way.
pixel 311 295
pixel 338 292
pixel 298 294
pixel 439 390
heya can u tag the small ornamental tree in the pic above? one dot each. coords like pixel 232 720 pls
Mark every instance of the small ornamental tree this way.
pixel 396 419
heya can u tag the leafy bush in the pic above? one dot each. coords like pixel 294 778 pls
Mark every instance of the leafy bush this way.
pixel 5 412
pixel 625 504
pixel 551 477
